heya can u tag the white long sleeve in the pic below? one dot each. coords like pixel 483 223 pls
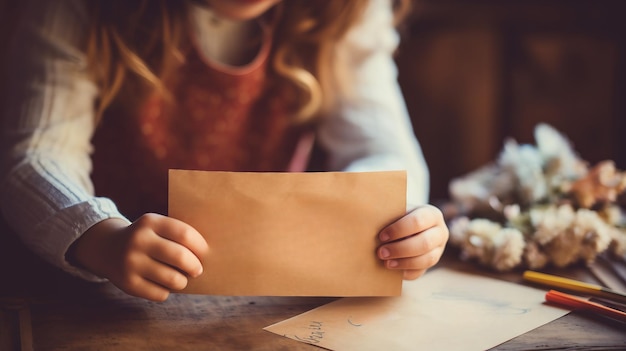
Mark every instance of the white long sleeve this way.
pixel 46 194
pixel 371 130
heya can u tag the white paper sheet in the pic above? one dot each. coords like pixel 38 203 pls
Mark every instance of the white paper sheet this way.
pixel 444 310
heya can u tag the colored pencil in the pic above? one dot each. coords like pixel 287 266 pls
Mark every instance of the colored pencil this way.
pixel 577 303
pixel 574 285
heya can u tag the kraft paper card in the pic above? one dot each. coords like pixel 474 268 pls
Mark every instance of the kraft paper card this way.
pixel 290 234
pixel 444 310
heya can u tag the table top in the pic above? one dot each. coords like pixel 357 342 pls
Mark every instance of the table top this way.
pixel 42 308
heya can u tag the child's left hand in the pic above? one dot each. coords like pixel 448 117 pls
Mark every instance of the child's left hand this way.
pixel 414 242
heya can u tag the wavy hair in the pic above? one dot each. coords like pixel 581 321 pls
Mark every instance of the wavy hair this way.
pixel 140 43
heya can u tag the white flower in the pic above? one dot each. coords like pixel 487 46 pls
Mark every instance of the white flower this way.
pixel 509 246
pixel 567 236
pixel 550 221
pixel 526 163
pixel 594 232
pixel 553 146
pixel 474 190
pixel 494 246
pixel 458 228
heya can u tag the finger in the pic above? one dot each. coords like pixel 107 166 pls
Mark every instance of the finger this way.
pixel 138 286
pixel 155 293
pixel 412 274
pixel 165 276
pixel 420 219
pixel 415 245
pixel 177 231
pixel 421 262
pixel 175 255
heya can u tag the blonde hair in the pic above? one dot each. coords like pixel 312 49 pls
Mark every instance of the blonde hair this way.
pixel 144 46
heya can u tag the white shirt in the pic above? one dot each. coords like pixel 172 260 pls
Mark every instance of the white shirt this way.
pixel 46 194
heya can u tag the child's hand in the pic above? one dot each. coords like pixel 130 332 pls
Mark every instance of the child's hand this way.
pixel 415 242
pixel 152 256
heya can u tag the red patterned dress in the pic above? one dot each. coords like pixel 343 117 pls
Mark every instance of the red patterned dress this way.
pixel 223 118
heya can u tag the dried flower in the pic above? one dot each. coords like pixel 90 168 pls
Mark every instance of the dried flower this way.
pixel 537 206
pixel 488 242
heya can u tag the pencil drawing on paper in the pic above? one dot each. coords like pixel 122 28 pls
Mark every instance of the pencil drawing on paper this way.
pixel 314 333
pixel 353 323
pixel 496 305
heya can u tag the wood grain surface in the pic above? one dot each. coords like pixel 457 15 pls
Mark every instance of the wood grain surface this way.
pixel 44 309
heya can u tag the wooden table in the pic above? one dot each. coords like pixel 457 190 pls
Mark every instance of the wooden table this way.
pixel 44 309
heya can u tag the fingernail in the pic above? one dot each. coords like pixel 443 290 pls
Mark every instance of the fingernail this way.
pixel 384 252
pixel 392 263
pixel 198 272
pixel 384 236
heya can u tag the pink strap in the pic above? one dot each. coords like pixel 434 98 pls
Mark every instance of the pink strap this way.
pixel 302 153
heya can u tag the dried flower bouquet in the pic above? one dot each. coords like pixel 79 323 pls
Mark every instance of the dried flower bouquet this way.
pixel 539 205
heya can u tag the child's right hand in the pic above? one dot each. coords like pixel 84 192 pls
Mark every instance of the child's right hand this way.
pixel 148 259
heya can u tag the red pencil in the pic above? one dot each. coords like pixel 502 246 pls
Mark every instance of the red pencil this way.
pixel 578 303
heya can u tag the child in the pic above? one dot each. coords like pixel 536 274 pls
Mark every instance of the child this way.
pixel 102 97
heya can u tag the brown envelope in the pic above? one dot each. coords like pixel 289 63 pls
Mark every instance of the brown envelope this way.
pixel 290 234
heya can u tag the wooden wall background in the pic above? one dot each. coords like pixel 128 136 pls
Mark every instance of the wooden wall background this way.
pixel 7 11
pixel 476 72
